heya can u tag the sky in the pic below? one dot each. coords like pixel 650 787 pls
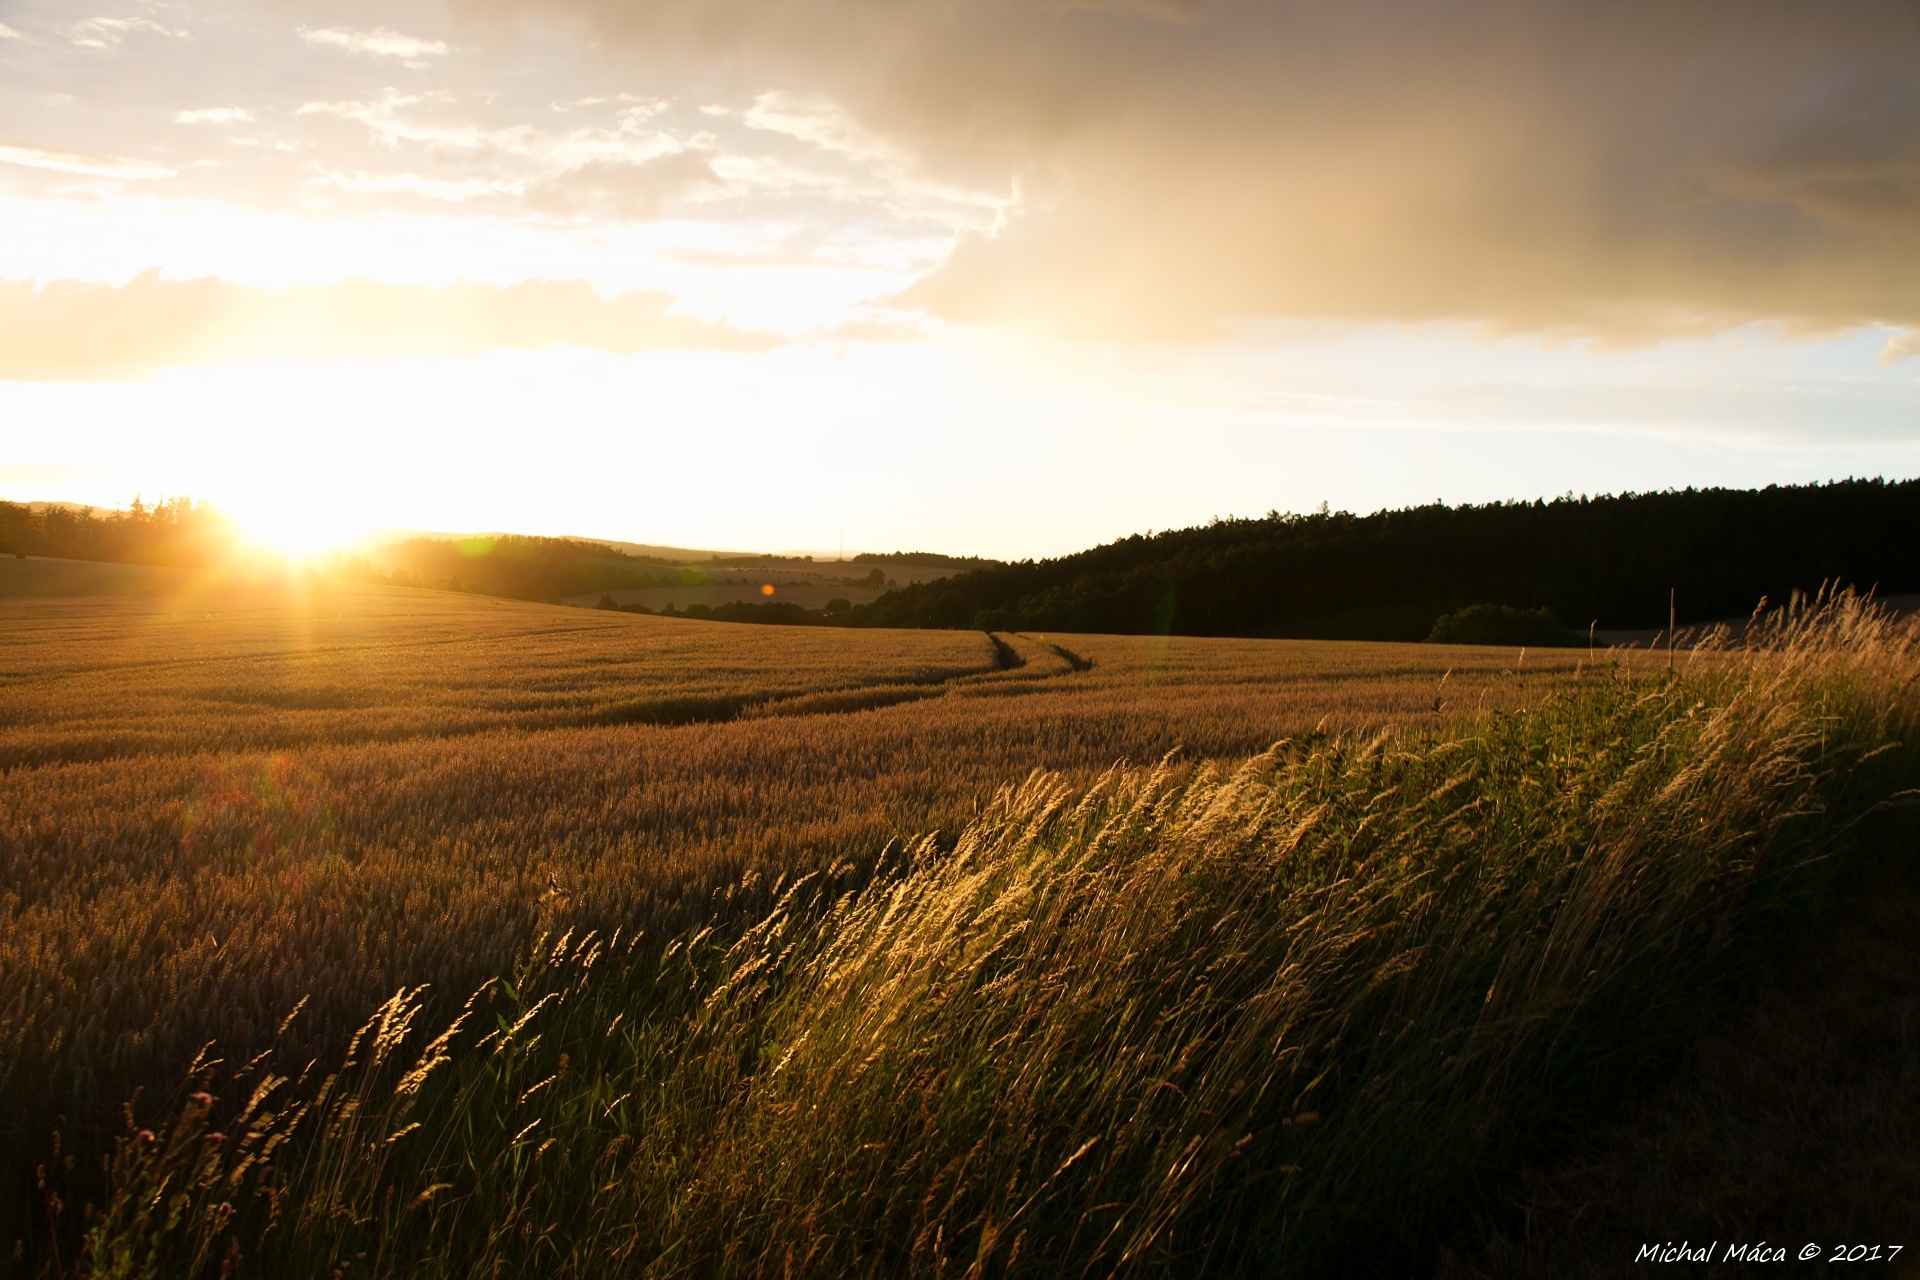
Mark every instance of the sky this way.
pixel 1002 277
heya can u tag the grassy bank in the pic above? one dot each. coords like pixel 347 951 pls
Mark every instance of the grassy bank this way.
pixel 1280 1017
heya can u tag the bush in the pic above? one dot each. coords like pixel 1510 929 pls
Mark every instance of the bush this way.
pixel 1500 624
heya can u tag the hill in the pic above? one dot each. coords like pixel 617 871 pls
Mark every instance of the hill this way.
pixel 520 568
pixel 182 533
pixel 642 550
pixel 759 588
pixel 1390 575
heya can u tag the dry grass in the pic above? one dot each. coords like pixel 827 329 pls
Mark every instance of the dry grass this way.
pixel 1274 1018
pixel 325 794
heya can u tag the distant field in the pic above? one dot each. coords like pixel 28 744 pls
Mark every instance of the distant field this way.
pixel 747 588
pixel 810 587
pixel 170 662
pixel 23 577
pixel 222 797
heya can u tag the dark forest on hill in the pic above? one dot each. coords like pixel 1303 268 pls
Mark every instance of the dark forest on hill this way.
pixel 1390 575
pixel 175 532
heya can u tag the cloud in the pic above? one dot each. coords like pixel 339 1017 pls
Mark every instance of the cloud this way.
pixel 378 43
pixel 642 105
pixel 890 330
pixel 623 173
pixel 70 330
pixel 8 33
pixel 1621 171
pixel 436 121
pixel 101 33
pixel 214 115
pixel 447 190
pixel 92 166
pixel 621 192
pixel 1901 346
pixel 820 121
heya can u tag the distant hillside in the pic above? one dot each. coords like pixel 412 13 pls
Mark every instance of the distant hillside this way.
pixel 638 550
pixel 581 571
pixel 1391 574
pixel 519 567
pixel 182 533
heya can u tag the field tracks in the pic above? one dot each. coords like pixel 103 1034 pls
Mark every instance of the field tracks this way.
pixel 1031 659
pixel 1073 660
pixel 112 679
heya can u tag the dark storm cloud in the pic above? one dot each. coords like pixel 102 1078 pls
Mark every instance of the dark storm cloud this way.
pixel 1621 169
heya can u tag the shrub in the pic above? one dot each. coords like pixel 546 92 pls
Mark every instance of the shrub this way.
pixel 1500 624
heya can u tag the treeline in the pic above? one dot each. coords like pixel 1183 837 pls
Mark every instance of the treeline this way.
pixel 523 568
pixel 176 532
pixel 1392 574
pixel 781 613
pixel 923 559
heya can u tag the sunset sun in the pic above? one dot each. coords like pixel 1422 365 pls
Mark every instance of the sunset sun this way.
pixel 297 527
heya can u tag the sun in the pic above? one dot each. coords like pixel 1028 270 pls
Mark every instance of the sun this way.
pixel 295 530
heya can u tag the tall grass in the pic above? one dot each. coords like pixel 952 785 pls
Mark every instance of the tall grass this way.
pixel 152 902
pixel 1282 1017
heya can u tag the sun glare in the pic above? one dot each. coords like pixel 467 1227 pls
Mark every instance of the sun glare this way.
pixel 294 531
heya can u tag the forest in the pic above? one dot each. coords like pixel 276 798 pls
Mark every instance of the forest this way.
pixel 1609 561
pixel 174 532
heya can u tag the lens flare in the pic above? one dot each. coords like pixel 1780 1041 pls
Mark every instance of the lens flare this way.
pixel 294 529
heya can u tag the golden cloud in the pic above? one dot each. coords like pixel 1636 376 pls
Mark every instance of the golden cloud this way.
pixel 617 191
pixel 70 330
pixel 1622 170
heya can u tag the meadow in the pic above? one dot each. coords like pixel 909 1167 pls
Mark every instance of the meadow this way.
pixel 754 950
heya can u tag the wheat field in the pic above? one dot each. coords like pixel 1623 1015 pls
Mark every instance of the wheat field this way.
pixel 225 797
pixel 1015 878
